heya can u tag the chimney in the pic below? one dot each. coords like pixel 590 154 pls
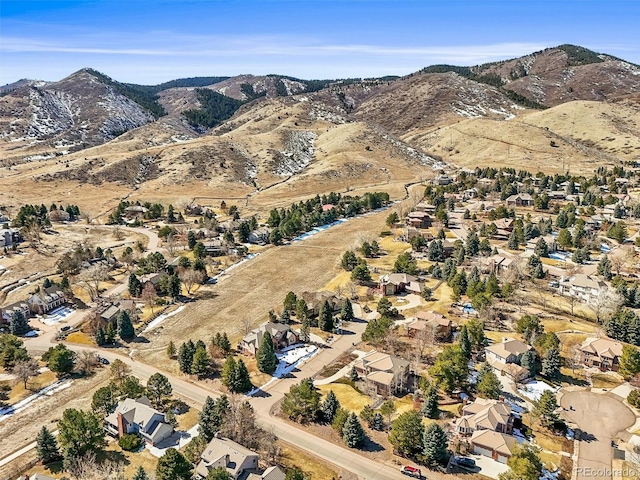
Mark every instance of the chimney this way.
pixel 121 427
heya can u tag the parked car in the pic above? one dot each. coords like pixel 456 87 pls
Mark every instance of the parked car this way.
pixel 65 328
pixel 411 471
pixel 32 333
pixel 102 360
pixel 465 462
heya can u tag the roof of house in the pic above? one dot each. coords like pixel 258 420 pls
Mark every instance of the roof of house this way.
pixel 225 453
pixel 275 330
pixel 512 369
pixel 381 362
pixel 418 215
pixel 603 347
pixel 585 281
pixel 499 442
pixel 508 347
pixel 154 278
pixel 139 412
pixel 383 378
pixel 437 318
pixel 521 196
pixel 398 278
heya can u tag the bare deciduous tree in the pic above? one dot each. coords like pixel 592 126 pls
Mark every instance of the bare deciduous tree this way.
pixel 190 278
pixel 605 303
pixel 171 244
pixel 86 362
pixel 245 325
pixel 149 296
pixel 118 234
pixel 90 279
pixel 26 369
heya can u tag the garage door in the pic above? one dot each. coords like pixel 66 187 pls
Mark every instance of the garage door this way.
pixel 502 458
pixel 481 451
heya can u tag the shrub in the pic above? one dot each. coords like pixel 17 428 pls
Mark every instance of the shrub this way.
pixel 130 442
pixel 634 398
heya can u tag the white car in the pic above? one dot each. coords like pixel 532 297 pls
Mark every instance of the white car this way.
pixel 32 333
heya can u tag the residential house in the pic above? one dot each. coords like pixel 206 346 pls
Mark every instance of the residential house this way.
pixel 581 286
pixel 426 208
pixel 46 299
pixel 505 224
pixel 485 414
pixel 550 240
pixel 138 416
pixel 9 238
pixel 215 247
pixel 520 200
pixel 507 351
pixel 260 236
pixel 418 220
pixel 281 334
pixel 222 452
pixel 9 310
pixel 383 374
pixel 151 279
pixel 410 232
pixel 512 371
pixel 109 311
pixel 432 321
pixel 37 476
pixel 557 195
pixel 495 445
pixel 134 211
pixel 602 353
pixel 315 300
pixel 271 473
pixel 395 283
pixel 496 264
pixel 443 180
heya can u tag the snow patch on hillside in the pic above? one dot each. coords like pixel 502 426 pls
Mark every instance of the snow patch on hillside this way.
pixel 51 113
pixel 297 154
pixel 124 114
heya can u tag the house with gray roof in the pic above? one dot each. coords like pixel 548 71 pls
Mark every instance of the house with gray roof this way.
pixel 237 460
pixel 138 416
pixel 281 334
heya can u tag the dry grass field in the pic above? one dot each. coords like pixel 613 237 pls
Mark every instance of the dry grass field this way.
pixel 257 286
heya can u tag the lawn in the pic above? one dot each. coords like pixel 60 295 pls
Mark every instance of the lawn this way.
pixel 348 397
pixel 603 380
pixel 551 461
pixel 81 338
pixel 188 419
pixel 18 392
pixel 315 468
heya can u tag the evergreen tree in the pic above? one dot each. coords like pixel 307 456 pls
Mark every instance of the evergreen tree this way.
pixel 100 336
pixel 302 402
pixel 110 334
pixel 541 249
pixel 465 342
pixel 353 374
pixel 377 423
pixel 528 361
pixel 434 445
pixel 513 243
pixel 304 330
pixel 229 372
pixel 352 432
pixel 266 356
pixel 430 405
pixel 125 327
pixel 47 446
pixel 191 239
pixel 545 408
pixel 330 406
pixel 326 317
pixel 171 350
pixel 19 324
pixel 135 286
pixel 346 314
pixel 173 466
pixel 61 359
pixel 295 474
pixel 185 356
pixel 158 389
pixel 367 413
pixel 209 420
pixel 629 362
pixel 406 433
pixel 140 474
pixel 489 385
pixel 604 268
pixel 290 302
pixel 241 381
pixel 551 363
pixel 200 365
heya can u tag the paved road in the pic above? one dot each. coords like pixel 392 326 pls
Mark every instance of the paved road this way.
pixel 600 416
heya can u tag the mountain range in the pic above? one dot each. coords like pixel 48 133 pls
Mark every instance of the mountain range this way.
pixel 560 107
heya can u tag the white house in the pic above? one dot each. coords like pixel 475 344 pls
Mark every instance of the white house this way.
pixel 581 286
pixel 138 416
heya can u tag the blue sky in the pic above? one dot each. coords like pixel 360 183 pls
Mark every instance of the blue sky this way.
pixel 151 41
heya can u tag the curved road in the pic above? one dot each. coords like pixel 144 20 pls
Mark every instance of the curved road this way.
pixel 600 416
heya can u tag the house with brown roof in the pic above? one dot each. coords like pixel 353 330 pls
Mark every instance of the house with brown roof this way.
pixel 485 414
pixel 138 416
pixel 495 445
pixel 495 264
pixel 581 286
pixel 271 473
pixel 435 322
pixel 281 334
pixel 520 200
pixel 383 374
pixel 237 460
pixel 315 300
pixel 395 283
pixel 602 353
pixel 418 219
pixel 507 351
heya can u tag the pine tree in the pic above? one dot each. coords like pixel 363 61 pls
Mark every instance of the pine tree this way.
pixel 377 423
pixel 352 432
pixel 173 466
pixel 135 286
pixel 551 363
pixel 326 317
pixel 434 443
pixel 242 382
pixel 304 330
pixel 19 324
pixel 225 344
pixel 330 406
pixel 209 420
pixel 228 372
pixel 47 446
pixel 346 314
pixel 528 361
pixel 465 342
pixel 140 474
pixel 200 365
pixel 125 327
pixel 367 413
pixel 266 356
pixel 430 405
pixel 100 336
pixel 110 334
pixel 185 356
pixel 513 243
pixel 545 408
pixel 171 350
pixel 353 374
pixel 489 385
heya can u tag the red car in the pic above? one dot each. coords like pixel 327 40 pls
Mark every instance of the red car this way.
pixel 411 471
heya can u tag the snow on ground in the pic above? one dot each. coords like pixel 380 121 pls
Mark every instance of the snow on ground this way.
pixel 56 316
pixel 215 278
pixel 178 440
pixel 6 412
pixel 533 390
pixel 161 318
pixel 289 360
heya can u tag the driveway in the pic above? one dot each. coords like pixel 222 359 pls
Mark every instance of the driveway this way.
pixel 600 416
